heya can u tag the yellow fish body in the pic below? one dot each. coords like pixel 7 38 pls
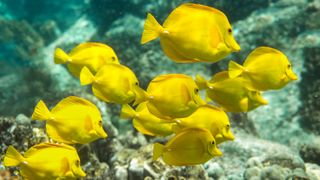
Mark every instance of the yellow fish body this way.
pixel 173 96
pixel 232 95
pixel 211 118
pixel 266 69
pixel 113 83
pixel 192 33
pixel 145 122
pixel 46 161
pixel 72 120
pixel 189 147
pixel 90 54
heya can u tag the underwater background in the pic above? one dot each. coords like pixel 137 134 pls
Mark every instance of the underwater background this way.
pixel 277 141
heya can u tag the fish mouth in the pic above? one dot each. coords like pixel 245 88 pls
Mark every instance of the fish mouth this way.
pixel 261 100
pixel 229 136
pixel 232 44
pixel 78 171
pixel 101 133
pixel 214 151
pixel 291 75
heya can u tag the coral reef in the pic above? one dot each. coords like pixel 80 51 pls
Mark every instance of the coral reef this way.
pixel 310 89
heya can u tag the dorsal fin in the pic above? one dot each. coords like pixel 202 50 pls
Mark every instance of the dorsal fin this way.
pixel 220 76
pixel 203 7
pixel 72 100
pixel 262 50
pixel 164 77
pixel 85 45
pixel 38 147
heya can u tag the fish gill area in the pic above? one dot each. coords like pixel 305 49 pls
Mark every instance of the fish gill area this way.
pixel 278 141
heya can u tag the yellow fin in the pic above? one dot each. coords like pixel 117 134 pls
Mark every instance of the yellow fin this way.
pixel 86 45
pixel 72 100
pixel 86 77
pixel 235 69
pixel 244 104
pixel 201 82
pixel 127 112
pixel 221 76
pixel 258 52
pixel 12 157
pixel 173 54
pixel 54 134
pixel 151 30
pixel 141 128
pixel 157 150
pixel 99 95
pixel 88 124
pixel 60 57
pixel 176 128
pixel 141 95
pixel 203 7
pixel 74 69
pixel 47 145
pixel 41 112
pixel 65 166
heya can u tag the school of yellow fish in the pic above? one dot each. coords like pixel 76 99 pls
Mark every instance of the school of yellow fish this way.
pixel 171 104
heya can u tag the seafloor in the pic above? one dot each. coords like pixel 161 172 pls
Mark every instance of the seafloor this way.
pixel 278 141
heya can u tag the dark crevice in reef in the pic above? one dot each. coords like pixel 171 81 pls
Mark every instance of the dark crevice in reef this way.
pixel 310 91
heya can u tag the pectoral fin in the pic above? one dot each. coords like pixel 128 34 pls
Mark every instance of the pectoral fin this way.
pixel 244 103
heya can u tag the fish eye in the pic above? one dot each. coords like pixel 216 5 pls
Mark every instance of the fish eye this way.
pixel 137 84
pixel 289 66
pixel 196 90
pixel 228 127
pixel 213 142
pixel 100 123
pixel 113 58
pixel 230 30
pixel 77 163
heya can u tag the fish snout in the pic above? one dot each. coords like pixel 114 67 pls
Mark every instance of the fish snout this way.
pixel 216 152
pixel 101 133
pixel 232 44
pixel 235 47
pixel 230 136
pixel 292 75
pixel 81 173
pixel 262 101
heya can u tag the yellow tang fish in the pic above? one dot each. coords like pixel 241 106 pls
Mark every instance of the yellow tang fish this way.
pixel 173 96
pixel 90 54
pixel 192 33
pixel 113 83
pixel 72 120
pixel 46 161
pixel 232 95
pixel 191 146
pixel 211 118
pixel 145 122
pixel 266 68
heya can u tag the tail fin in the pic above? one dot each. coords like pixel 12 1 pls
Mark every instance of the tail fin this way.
pixel 141 95
pixel 41 112
pixel 235 69
pixel 127 112
pixel 151 29
pixel 201 82
pixel 157 150
pixel 60 57
pixel 12 157
pixel 86 77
